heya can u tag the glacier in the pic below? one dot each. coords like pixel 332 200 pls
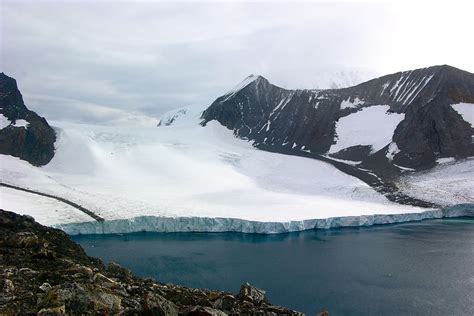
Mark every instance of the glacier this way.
pixel 207 224
pixel 185 177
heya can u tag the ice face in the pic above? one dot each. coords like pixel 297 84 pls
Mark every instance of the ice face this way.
pixel 206 224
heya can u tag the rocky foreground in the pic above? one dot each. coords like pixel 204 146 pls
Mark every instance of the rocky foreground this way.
pixel 43 272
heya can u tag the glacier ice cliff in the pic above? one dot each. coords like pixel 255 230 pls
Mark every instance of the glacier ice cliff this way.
pixel 207 224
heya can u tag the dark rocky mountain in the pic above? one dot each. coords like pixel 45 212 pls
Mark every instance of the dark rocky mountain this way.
pixel 24 134
pixel 43 272
pixel 303 122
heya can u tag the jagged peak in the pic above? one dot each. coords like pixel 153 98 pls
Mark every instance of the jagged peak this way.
pixel 244 83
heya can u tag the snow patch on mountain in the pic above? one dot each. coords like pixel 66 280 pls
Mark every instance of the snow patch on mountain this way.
pixel 466 110
pixel 21 123
pixel 392 150
pixel 4 121
pixel 372 126
pixel 351 103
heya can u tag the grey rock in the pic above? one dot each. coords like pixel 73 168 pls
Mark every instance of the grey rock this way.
pixel 204 311
pixel 45 287
pixel 158 305
pixel 252 294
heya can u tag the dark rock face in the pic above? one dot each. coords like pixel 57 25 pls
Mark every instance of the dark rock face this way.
pixel 43 272
pixel 294 121
pixel 34 142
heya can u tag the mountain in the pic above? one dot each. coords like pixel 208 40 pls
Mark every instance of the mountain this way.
pixel 23 133
pixel 132 176
pixel 406 120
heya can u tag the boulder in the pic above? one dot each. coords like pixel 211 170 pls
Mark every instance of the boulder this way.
pixel 252 294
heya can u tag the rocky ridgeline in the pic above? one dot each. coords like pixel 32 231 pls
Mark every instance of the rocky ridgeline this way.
pixel 301 121
pixel 43 272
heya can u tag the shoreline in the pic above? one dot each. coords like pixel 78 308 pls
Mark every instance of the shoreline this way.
pixel 219 225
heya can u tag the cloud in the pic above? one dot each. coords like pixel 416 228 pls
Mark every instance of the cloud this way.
pixel 155 56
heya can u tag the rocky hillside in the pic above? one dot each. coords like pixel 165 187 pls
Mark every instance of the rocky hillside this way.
pixel 399 121
pixel 23 133
pixel 42 271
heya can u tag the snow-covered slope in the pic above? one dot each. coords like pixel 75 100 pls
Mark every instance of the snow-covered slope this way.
pixel 43 209
pixel 451 182
pixel 187 171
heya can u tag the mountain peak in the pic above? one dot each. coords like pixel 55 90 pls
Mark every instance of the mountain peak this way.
pixel 244 83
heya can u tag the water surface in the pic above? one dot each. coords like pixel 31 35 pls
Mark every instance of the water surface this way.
pixel 422 268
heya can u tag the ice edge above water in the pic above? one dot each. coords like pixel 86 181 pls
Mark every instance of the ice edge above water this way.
pixel 207 224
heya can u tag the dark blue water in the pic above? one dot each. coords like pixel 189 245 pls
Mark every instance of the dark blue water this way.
pixel 423 268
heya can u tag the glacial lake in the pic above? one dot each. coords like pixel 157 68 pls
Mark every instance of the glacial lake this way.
pixel 420 268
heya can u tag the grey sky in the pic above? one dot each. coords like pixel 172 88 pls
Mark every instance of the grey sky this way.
pixel 88 61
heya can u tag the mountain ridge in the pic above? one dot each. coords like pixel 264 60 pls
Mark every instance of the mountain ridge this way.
pixel 269 115
pixel 377 130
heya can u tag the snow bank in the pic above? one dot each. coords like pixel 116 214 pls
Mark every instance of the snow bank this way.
pixel 372 126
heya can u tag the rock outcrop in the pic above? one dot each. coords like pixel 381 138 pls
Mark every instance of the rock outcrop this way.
pixel 43 272
pixel 23 133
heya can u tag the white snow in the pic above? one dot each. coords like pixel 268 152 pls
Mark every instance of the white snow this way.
pixel 466 110
pixel 21 123
pixel 445 160
pixel 281 105
pixel 183 172
pixel 4 121
pixel 43 209
pixel 449 183
pixel 384 87
pixel 347 162
pixel 392 150
pixel 351 104
pixel 403 168
pixel 372 126
pixel 413 91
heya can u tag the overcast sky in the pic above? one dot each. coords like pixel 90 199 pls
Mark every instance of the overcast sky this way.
pixel 87 61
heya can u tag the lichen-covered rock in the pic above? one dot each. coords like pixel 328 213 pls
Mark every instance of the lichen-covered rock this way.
pixel 43 272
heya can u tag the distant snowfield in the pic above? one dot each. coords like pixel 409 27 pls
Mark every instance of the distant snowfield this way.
pixel 182 171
